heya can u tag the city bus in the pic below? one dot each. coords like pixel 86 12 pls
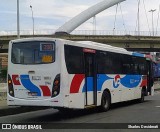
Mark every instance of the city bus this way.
pixel 77 75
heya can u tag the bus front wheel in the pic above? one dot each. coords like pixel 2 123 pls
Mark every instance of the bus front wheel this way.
pixel 105 101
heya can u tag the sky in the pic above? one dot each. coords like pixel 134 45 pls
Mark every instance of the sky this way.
pixel 49 15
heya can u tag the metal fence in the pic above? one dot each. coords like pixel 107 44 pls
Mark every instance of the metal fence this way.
pixel 82 32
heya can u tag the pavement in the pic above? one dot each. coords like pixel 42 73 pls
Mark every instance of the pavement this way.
pixel 9 110
pixel 4 108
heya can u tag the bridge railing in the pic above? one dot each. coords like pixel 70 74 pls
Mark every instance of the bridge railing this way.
pixel 81 32
pixel 27 32
pixel 116 32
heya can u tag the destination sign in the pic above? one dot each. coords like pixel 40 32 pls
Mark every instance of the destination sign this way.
pixel 47 47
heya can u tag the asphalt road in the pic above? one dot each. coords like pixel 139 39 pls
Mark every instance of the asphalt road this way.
pixel 128 112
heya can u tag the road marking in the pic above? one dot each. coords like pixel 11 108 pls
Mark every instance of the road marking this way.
pixel 158 106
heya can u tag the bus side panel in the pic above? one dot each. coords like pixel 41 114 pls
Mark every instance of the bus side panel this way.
pixel 121 87
pixel 99 97
pixel 74 79
pixel 137 92
pixel 64 78
pixel 108 82
pixel 143 83
pixel 76 96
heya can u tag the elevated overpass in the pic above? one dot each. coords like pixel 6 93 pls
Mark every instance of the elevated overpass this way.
pixel 132 43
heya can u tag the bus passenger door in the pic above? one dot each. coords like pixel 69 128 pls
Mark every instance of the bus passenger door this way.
pixel 90 79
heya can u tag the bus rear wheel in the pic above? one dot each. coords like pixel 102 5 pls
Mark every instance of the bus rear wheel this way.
pixel 105 101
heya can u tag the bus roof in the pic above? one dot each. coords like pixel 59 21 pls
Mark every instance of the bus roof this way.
pixel 87 44
pixel 112 48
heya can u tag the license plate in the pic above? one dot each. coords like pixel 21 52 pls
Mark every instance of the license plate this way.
pixel 32 94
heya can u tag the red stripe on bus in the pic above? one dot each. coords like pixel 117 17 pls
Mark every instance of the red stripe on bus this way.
pixel 15 79
pixel 46 91
pixel 144 83
pixel 76 83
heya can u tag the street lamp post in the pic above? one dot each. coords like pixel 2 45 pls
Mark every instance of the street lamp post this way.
pixel 152 11
pixel 18 27
pixel 32 19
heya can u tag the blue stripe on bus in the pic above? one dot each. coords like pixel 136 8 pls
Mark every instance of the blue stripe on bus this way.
pixel 138 54
pixel 131 81
pixel 89 85
pixel 29 85
pixel 101 78
pixel 128 81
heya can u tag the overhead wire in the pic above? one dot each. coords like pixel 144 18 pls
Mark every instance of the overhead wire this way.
pixel 137 20
pixel 139 17
pixel 158 21
pixel 123 19
pixel 146 17
pixel 115 19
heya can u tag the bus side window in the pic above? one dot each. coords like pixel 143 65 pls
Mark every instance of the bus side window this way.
pixel 127 67
pixel 109 63
pixel 74 59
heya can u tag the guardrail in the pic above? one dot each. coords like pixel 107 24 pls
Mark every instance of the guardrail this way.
pixel 81 32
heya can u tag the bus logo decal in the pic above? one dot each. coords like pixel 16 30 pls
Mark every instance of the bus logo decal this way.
pixel 29 85
pixel 116 81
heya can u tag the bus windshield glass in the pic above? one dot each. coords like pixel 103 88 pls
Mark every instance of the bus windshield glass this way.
pixel 33 52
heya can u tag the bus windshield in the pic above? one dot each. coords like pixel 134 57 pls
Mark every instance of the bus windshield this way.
pixel 33 53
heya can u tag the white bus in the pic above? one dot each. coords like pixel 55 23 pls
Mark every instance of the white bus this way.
pixel 76 75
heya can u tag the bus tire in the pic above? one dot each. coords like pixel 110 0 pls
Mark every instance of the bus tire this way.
pixel 141 100
pixel 105 101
